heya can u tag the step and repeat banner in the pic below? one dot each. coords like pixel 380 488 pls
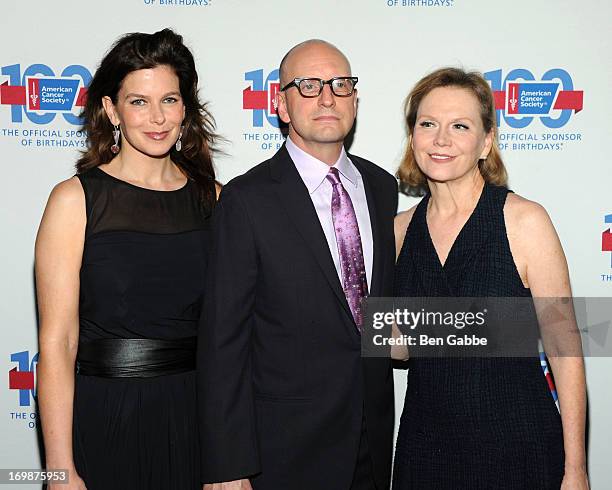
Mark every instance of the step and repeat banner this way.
pixel 548 63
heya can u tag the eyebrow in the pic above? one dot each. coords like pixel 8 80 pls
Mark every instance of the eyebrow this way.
pixel 319 78
pixel 462 118
pixel 141 96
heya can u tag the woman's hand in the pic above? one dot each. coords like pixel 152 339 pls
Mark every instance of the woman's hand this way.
pixel 575 478
pixel 75 482
pixel 229 485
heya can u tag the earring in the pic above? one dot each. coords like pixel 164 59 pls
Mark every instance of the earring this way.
pixel 116 134
pixel 179 145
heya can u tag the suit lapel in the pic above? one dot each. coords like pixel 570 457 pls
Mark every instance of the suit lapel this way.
pixel 297 203
pixel 375 221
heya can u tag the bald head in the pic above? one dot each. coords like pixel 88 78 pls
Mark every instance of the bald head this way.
pixel 319 123
pixel 296 55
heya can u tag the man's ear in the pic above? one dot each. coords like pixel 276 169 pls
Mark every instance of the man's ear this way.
pixel 109 108
pixel 280 103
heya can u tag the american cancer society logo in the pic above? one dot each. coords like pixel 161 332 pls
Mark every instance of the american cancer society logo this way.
pixel 521 98
pixel 53 94
pixel 258 100
pixel 537 99
pixel 22 381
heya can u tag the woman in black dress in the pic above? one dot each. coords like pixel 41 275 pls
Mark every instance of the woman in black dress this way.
pixel 120 260
pixel 479 423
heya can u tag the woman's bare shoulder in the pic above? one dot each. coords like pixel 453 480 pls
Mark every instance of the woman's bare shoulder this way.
pixel 68 193
pixel 65 207
pixel 218 189
pixel 402 221
pixel 523 213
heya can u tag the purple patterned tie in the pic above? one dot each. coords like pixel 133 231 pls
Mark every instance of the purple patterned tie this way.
pixel 354 280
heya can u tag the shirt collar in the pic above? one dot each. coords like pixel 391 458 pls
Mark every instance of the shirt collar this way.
pixel 314 171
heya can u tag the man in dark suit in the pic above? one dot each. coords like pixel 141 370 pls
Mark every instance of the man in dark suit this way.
pixel 286 401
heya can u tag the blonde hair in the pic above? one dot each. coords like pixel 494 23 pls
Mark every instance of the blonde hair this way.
pixel 492 168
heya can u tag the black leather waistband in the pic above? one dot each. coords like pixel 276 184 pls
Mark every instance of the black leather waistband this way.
pixel 136 358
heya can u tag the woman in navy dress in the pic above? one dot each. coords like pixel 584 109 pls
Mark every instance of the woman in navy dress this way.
pixel 120 259
pixel 479 423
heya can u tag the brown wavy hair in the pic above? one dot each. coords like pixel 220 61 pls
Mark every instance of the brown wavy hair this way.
pixel 492 168
pixel 137 51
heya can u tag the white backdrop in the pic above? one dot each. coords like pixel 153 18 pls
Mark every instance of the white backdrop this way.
pixel 555 156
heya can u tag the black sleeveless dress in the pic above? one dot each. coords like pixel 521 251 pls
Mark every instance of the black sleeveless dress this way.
pixel 142 276
pixel 473 423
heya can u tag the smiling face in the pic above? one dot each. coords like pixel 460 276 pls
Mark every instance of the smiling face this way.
pixel 149 109
pixel 317 125
pixel 448 138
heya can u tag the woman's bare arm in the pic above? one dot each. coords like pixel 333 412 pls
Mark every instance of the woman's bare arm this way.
pixel 539 254
pixel 402 220
pixel 59 250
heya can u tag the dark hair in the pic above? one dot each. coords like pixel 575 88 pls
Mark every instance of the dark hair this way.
pixel 492 168
pixel 139 51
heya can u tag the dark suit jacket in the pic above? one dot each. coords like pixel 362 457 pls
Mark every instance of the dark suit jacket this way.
pixel 282 386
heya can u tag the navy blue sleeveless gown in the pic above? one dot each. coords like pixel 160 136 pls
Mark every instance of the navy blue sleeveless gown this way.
pixel 473 423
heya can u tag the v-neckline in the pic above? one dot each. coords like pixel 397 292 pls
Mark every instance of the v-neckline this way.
pixel 459 235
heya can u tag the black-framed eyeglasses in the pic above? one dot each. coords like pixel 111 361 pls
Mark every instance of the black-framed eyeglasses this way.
pixel 312 87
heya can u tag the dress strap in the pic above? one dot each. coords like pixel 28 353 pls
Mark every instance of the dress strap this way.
pixel 88 189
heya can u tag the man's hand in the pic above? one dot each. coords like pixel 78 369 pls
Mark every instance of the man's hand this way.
pixel 229 485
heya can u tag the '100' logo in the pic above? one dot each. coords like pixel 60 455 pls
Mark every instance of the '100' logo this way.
pixel 22 377
pixel 40 94
pixel 259 96
pixel 519 94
